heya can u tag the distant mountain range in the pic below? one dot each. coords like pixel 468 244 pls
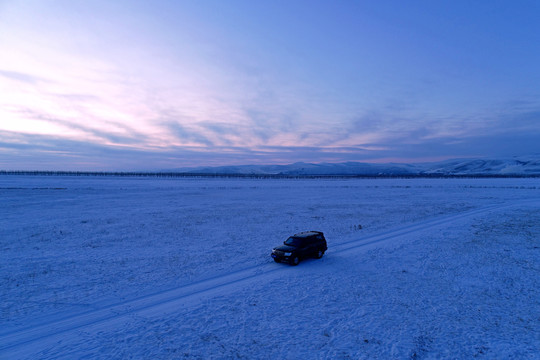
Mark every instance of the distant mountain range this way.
pixel 519 166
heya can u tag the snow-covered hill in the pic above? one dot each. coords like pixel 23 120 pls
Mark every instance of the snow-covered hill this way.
pixel 513 166
pixel 519 166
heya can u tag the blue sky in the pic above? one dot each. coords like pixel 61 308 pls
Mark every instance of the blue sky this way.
pixel 147 85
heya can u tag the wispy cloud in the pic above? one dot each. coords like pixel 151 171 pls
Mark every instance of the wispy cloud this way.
pixel 186 135
pixel 83 131
pixel 23 77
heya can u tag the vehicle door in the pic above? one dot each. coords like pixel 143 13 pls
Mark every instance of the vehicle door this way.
pixel 310 246
pixel 305 247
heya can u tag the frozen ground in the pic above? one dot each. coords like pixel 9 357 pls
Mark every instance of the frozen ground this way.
pixel 101 267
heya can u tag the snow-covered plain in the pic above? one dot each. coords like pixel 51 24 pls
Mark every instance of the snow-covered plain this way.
pixel 104 267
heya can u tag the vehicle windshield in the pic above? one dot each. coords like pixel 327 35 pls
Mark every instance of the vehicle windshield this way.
pixel 292 241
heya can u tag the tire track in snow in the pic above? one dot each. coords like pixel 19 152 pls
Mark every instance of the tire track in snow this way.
pixel 109 313
pixel 408 229
pixel 168 300
pixel 424 225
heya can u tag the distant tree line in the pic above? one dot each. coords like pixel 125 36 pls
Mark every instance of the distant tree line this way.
pixel 257 176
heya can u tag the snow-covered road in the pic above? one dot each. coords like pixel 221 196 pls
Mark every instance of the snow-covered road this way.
pixel 163 301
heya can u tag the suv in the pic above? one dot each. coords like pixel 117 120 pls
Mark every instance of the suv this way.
pixel 300 246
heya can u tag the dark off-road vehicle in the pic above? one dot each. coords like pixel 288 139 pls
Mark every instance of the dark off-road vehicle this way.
pixel 300 246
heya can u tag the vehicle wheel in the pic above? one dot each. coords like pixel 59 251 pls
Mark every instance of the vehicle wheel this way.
pixel 277 260
pixel 295 261
pixel 319 254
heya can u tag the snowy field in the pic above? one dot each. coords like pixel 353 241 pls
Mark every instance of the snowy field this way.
pixel 104 267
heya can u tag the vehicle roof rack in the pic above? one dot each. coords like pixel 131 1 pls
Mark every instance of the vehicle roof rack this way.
pixel 307 233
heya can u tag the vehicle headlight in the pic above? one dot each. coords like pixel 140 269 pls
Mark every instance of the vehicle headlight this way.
pixel 288 254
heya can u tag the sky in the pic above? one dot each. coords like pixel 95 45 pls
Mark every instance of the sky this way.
pixel 133 85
